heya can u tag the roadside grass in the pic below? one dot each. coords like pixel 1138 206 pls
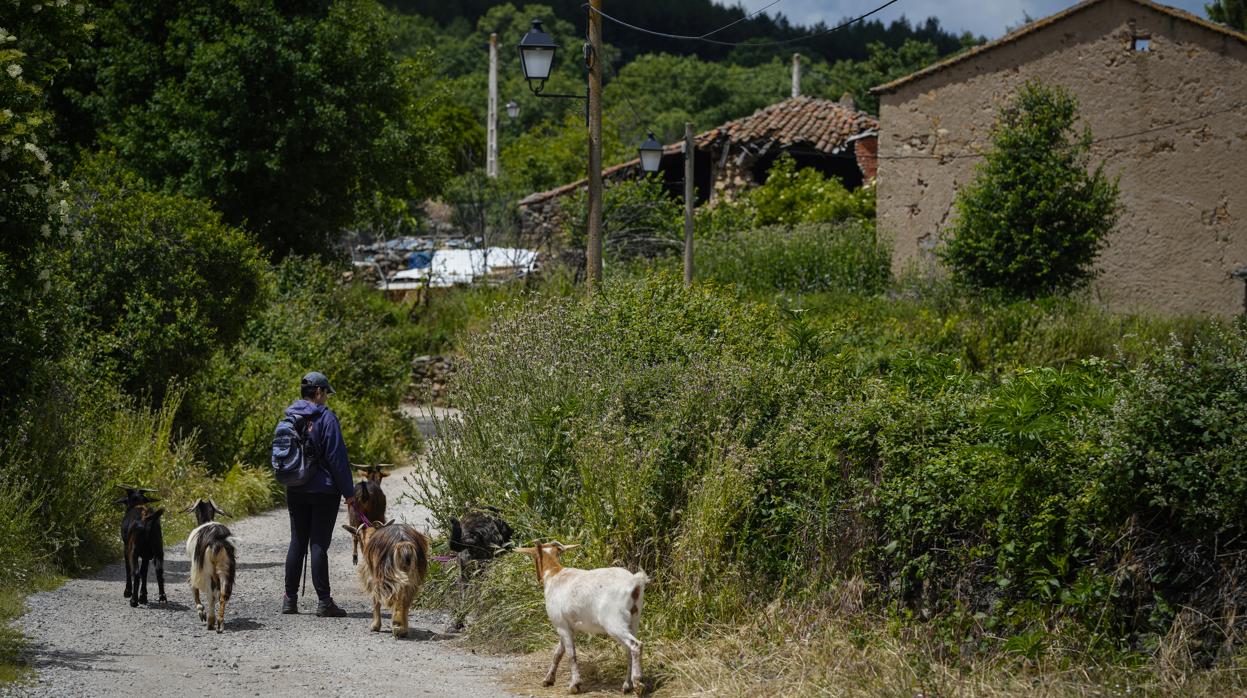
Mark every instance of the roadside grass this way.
pixel 757 451
pixel 817 647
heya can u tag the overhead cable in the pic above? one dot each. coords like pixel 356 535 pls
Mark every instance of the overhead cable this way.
pixel 782 42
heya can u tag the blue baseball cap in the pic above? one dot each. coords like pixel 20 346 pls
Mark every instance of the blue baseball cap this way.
pixel 318 380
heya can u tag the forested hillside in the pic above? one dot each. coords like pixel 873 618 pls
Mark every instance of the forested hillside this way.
pixel 697 17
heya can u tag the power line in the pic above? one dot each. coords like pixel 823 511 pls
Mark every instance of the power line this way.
pixel 783 42
pixel 750 16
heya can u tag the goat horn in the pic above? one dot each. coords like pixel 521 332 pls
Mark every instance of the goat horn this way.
pixel 219 510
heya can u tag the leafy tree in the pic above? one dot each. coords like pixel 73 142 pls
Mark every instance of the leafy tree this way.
pixel 1232 13
pixel 32 214
pixel 288 116
pixel 884 64
pixel 660 92
pixel 553 155
pixel 160 283
pixel 1035 217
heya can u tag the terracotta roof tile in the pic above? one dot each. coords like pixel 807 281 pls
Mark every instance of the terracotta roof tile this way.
pixel 822 124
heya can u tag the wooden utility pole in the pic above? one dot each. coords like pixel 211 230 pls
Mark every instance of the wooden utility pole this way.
pixel 796 75
pixel 491 128
pixel 593 255
pixel 689 153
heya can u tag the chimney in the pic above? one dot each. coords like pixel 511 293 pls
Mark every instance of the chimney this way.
pixel 796 75
pixel 846 101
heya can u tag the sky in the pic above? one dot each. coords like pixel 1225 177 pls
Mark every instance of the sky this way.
pixel 986 17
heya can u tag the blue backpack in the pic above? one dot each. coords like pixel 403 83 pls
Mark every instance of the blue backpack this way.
pixel 293 459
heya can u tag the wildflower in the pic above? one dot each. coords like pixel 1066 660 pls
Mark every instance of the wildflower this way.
pixel 14 70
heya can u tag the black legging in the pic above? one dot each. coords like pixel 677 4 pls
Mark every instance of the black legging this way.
pixel 312 516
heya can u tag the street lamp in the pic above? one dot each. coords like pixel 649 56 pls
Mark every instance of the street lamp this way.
pixel 651 154
pixel 537 56
pixel 513 109
pixel 537 51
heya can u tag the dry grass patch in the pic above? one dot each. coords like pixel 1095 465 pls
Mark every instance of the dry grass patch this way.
pixel 793 651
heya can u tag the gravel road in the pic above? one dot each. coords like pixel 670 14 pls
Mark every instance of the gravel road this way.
pixel 85 640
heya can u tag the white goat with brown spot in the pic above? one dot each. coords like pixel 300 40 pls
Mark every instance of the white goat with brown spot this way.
pixel 605 601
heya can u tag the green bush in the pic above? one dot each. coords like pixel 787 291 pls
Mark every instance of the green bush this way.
pixel 805 258
pixel 791 195
pixel 1175 440
pixel 1034 218
pixel 159 283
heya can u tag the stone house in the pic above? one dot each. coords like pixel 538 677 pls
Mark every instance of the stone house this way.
pixel 832 137
pixel 1165 95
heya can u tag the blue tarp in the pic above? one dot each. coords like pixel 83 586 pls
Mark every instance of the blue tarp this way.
pixel 419 260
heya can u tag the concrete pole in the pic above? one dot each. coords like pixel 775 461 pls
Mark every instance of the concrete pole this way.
pixel 491 128
pixel 689 152
pixel 796 75
pixel 593 255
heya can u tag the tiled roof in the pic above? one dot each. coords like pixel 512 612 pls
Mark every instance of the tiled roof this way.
pixel 1047 22
pixel 821 124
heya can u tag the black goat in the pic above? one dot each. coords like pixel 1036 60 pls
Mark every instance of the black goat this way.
pixel 143 541
pixel 481 535
pixel 205 510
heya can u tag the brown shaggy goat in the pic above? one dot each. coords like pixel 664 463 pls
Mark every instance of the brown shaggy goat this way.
pixel 396 560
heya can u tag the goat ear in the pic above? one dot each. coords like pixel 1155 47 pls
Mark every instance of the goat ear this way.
pixel 526 551
pixel 565 548
pixel 190 508
pixel 384 474
pixel 121 500
pixel 354 533
pixel 156 514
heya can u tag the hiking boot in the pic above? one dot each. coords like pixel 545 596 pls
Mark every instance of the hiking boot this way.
pixel 329 609
pixel 289 606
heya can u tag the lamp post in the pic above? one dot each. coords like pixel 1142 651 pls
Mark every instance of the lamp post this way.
pixel 537 52
pixel 513 109
pixel 650 152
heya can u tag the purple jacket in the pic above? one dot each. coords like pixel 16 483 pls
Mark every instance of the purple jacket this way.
pixel 333 472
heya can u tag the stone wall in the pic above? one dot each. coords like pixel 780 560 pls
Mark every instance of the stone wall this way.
pixel 429 378
pixel 1183 189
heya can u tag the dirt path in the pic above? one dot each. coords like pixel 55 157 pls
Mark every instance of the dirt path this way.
pixel 87 641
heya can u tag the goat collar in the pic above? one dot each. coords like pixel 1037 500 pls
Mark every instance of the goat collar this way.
pixel 361 516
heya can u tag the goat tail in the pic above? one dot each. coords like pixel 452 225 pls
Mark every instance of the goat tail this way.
pixel 410 562
pixel 224 552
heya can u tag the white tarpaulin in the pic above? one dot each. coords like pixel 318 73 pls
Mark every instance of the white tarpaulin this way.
pixel 450 267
